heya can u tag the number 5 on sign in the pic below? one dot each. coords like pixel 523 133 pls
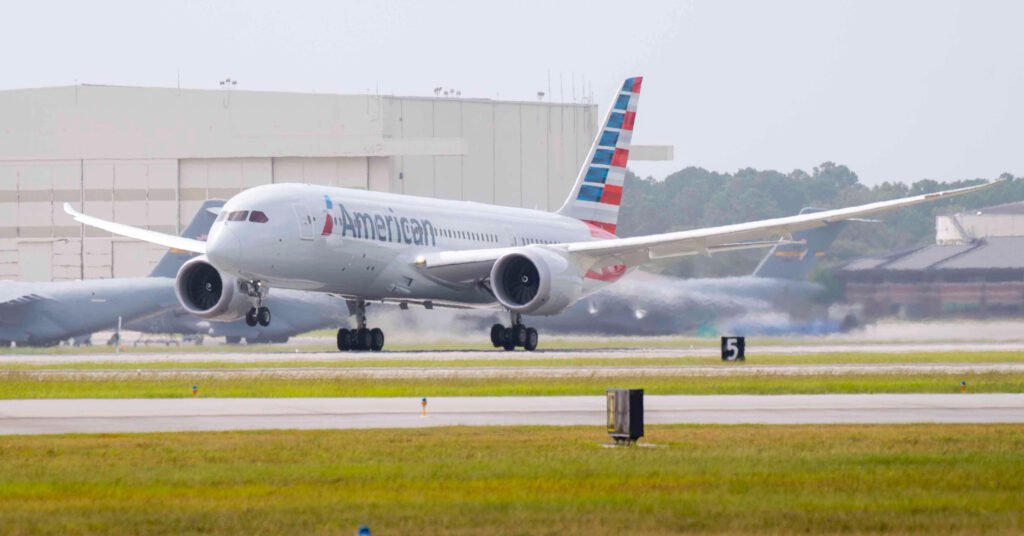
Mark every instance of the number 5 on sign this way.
pixel 734 348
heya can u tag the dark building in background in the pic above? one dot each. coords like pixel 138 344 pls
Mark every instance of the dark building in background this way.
pixel 976 269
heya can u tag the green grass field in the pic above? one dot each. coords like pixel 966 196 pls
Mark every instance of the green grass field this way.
pixel 20 386
pixel 966 479
pixel 539 360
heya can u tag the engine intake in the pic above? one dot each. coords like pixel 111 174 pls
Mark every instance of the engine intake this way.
pixel 207 293
pixel 537 281
pixel 520 280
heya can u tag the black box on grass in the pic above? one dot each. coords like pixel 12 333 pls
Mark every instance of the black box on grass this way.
pixel 626 414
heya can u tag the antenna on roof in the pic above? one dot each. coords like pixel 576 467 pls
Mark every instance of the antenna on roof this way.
pixel 549 85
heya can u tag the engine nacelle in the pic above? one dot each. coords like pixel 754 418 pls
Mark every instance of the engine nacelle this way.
pixel 536 281
pixel 207 293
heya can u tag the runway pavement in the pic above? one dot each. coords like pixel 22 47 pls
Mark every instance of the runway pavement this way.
pixel 170 415
pixel 443 372
pixel 283 353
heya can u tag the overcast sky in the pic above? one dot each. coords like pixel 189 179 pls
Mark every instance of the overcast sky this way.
pixel 895 90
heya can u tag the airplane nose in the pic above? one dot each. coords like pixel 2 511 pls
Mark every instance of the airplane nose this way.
pixel 224 250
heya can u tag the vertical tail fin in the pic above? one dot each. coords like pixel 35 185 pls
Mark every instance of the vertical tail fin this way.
pixel 198 228
pixel 597 193
pixel 795 261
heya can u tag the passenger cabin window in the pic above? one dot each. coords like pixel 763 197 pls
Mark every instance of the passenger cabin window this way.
pixel 258 217
pixel 238 215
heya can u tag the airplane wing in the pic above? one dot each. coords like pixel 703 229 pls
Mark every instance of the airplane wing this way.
pixel 20 300
pixel 14 295
pixel 464 266
pixel 640 250
pixel 153 237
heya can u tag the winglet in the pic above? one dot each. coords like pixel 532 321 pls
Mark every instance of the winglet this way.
pixel 145 235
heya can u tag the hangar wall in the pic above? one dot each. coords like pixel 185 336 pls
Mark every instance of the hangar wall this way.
pixel 150 156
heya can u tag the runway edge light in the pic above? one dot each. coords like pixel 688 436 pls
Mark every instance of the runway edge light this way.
pixel 625 415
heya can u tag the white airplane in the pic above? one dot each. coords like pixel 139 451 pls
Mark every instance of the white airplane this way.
pixel 374 247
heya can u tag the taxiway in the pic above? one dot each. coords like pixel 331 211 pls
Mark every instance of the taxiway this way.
pixel 171 415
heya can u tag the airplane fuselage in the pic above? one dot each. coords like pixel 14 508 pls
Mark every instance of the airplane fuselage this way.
pixel 58 311
pixel 365 244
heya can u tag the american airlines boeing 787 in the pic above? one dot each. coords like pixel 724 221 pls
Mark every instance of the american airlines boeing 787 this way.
pixel 374 247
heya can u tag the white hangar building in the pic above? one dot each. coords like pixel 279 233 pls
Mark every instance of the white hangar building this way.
pixel 149 156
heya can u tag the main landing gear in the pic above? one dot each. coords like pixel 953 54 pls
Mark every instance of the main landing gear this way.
pixel 258 314
pixel 360 338
pixel 515 335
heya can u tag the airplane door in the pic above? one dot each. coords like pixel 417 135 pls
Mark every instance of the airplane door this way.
pixel 305 222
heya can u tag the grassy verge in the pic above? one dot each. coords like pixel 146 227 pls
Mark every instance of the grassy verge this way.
pixel 538 360
pixel 801 479
pixel 15 386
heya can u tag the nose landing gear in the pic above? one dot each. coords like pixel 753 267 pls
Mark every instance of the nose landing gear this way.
pixel 515 335
pixel 258 314
pixel 360 338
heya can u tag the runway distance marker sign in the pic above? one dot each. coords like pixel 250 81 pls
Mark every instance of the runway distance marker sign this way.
pixel 734 348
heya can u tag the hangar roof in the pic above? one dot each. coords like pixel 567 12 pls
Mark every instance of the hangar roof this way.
pixel 992 253
pixel 1006 208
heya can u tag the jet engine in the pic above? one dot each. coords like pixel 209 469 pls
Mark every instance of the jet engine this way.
pixel 536 281
pixel 207 293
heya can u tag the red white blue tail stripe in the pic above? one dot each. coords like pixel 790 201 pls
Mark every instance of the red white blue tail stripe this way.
pixel 596 197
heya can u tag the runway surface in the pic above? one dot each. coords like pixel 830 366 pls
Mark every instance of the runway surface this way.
pixel 283 354
pixel 171 415
pixel 442 372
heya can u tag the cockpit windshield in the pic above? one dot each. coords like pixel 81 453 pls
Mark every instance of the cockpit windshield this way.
pixel 258 217
pixel 238 215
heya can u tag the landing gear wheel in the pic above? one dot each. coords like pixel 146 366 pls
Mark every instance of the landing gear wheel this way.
pixel 362 339
pixel 509 340
pixel 343 340
pixel 520 334
pixel 515 335
pixel 263 316
pixel 497 335
pixel 376 339
pixel 532 338
pixel 250 318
